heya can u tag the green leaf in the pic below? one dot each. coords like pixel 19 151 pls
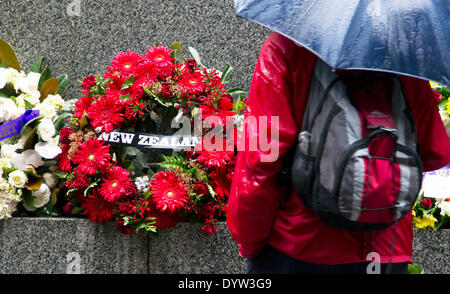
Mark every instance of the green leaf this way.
pixel 8 56
pixel 76 210
pixel 414 269
pixel 177 51
pixel 28 198
pixel 236 91
pixel 49 87
pixel 28 105
pixel 63 81
pixel 36 65
pixel 45 75
pixel 226 74
pixel 83 121
pixel 211 191
pixel 165 104
pixel 128 83
pixel 173 162
pixel 60 121
pixel 92 185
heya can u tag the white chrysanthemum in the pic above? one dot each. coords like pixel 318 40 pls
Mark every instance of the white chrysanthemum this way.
pixel 446 120
pixel 7 150
pixel 33 100
pixel 8 110
pixel 444 206
pixel 46 129
pixel 9 197
pixel 46 110
pixel 54 101
pixel 41 196
pixel 142 183
pixel 10 76
pixel 29 84
pixel 4 163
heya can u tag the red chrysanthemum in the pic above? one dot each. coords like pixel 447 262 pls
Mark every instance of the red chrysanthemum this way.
pixel 222 111
pixel 213 157
pixel 164 219
pixel 192 83
pixel 125 63
pixel 160 56
pixel 88 83
pixel 220 180
pixel 79 181
pixel 168 192
pixel 97 208
pixel 64 162
pixel 106 113
pixel 91 156
pixel 117 185
pixel 146 74
pixel 82 105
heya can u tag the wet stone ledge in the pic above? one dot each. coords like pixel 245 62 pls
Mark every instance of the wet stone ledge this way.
pixel 63 245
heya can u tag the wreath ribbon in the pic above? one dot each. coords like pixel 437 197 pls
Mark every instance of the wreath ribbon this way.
pixel 14 127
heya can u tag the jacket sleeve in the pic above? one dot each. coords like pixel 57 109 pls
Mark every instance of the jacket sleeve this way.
pixel 255 196
pixel 434 146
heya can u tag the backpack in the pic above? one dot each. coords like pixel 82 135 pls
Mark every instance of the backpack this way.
pixel 356 162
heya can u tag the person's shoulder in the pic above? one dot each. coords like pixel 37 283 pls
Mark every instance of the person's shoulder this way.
pixel 283 45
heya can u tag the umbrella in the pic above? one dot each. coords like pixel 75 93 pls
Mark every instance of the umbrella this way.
pixel 410 37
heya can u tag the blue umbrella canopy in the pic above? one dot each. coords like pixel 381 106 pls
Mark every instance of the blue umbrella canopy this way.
pixel 410 37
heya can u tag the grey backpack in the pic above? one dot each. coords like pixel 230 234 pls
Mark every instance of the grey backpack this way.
pixel 356 163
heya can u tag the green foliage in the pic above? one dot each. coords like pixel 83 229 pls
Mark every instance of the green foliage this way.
pixel 173 162
pixel 414 269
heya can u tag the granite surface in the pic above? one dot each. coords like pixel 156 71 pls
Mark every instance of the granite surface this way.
pixel 80 37
pixel 61 245
pixel 431 250
pixel 184 249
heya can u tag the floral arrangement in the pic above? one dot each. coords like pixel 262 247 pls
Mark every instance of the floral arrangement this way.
pixel 435 212
pixel 30 118
pixel 148 190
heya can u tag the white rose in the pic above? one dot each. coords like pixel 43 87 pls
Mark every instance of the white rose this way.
pixel 8 110
pixel 29 84
pixel 17 178
pixel 46 129
pixel 50 180
pixel 41 196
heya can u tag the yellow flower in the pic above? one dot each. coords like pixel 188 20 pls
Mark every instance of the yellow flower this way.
pixel 434 85
pixel 447 108
pixel 424 222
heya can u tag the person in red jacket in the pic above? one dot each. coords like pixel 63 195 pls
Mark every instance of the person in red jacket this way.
pixel 275 231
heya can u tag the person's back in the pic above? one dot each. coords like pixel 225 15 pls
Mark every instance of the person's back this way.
pixel 260 213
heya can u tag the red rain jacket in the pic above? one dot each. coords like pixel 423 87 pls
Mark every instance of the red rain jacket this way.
pixel 259 210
